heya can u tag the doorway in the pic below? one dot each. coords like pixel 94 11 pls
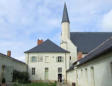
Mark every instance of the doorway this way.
pixel 46 73
pixel 59 77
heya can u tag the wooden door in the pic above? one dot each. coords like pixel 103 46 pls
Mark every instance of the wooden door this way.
pixel 46 74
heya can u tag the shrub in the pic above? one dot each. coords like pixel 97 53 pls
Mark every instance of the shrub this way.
pixel 21 77
pixel 3 80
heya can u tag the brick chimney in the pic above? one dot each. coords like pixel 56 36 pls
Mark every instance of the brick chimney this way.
pixel 79 56
pixel 9 53
pixel 39 41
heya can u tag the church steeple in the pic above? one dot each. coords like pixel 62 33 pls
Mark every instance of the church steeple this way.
pixel 65 25
pixel 65 15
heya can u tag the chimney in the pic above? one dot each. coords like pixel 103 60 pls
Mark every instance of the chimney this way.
pixel 39 41
pixel 9 53
pixel 80 54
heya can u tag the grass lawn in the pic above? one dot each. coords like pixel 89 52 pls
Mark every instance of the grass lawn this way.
pixel 36 84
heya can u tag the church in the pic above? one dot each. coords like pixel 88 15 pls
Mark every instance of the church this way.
pixel 78 60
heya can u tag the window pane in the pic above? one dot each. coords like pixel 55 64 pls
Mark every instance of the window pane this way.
pixel 33 71
pixel 59 70
pixel 34 59
pixel 46 59
pixel 60 59
pixel 46 69
pixel 40 59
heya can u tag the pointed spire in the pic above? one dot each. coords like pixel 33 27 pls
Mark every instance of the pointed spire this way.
pixel 65 14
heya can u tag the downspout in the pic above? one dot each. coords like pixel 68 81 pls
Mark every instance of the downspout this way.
pixel 27 61
pixel 66 67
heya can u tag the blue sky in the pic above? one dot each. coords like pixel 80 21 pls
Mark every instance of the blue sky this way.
pixel 22 22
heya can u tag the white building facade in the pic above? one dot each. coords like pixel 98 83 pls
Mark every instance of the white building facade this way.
pixel 47 64
pixel 95 69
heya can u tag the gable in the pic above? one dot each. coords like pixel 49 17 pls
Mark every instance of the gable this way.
pixel 46 47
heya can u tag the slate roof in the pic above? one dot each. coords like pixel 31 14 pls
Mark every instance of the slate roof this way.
pixel 3 55
pixel 86 41
pixel 46 47
pixel 71 68
pixel 104 47
pixel 65 14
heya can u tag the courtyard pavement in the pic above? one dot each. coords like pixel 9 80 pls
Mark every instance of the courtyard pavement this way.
pixel 61 84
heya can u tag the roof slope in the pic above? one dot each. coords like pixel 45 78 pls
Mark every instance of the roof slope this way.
pixel 102 48
pixel 86 41
pixel 47 46
pixel 3 55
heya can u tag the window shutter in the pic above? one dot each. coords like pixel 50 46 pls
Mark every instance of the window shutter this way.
pixel 62 59
pixel 56 59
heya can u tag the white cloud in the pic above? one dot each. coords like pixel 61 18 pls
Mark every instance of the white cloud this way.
pixel 22 22
pixel 107 21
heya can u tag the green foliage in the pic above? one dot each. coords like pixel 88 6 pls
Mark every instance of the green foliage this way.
pixel 36 84
pixel 20 77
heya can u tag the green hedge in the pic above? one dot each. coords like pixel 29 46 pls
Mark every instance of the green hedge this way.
pixel 21 77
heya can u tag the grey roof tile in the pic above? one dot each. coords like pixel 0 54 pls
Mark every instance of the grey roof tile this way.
pixel 86 41
pixel 65 14
pixel 104 47
pixel 47 46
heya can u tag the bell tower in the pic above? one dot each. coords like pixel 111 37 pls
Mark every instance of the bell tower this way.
pixel 65 35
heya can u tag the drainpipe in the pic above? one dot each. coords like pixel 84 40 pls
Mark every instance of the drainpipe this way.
pixel 66 67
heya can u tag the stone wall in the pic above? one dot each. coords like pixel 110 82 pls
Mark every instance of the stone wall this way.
pixel 8 64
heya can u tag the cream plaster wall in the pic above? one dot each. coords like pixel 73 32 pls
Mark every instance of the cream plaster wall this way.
pixel 66 43
pixel 52 66
pixel 102 72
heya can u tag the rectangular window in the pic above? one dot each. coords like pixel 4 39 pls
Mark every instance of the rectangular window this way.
pixel 40 59
pixel 46 69
pixel 46 59
pixel 59 59
pixel 70 57
pixel 59 70
pixel 33 59
pixel 33 71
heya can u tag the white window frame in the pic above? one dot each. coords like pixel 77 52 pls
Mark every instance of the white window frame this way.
pixel 40 58
pixel 59 68
pixel 33 60
pixel 47 59
pixel 59 59
pixel 33 70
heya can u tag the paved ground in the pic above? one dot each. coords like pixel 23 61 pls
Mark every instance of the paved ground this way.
pixel 61 84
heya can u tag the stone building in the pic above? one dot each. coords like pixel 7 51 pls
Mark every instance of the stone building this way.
pixel 8 64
